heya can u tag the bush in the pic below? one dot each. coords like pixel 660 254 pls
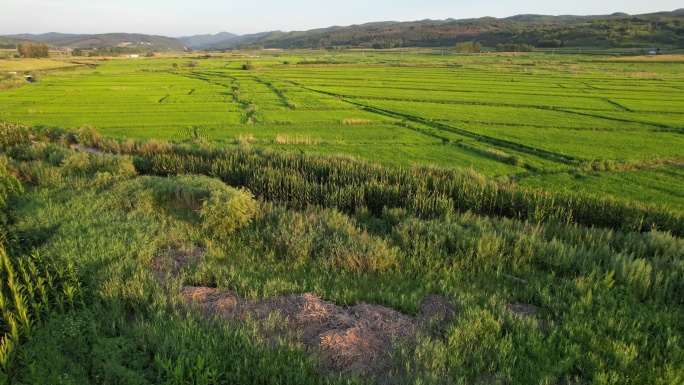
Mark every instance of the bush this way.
pixel 87 136
pixel 78 163
pixel 54 134
pixel 40 173
pixel 33 50
pixel 12 134
pixel 82 163
pixel 321 236
pixel 227 211
pixel 469 47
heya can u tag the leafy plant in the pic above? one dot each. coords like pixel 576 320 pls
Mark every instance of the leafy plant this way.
pixel 224 212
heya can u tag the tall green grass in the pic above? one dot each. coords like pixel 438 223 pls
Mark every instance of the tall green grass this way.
pixel 608 301
pixel 301 180
pixel 33 290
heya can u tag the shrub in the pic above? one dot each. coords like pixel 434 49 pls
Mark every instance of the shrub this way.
pixel 40 151
pixel 40 173
pixel 12 134
pixel 227 211
pixel 53 134
pixel 11 80
pixel 325 237
pixel 82 163
pixel 87 136
pixel 78 163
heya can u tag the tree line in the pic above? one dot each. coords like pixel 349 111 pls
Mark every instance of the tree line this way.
pixel 469 47
pixel 33 50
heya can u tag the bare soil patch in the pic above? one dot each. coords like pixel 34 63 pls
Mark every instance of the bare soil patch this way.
pixel 176 259
pixel 522 310
pixel 90 150
pixel 355 340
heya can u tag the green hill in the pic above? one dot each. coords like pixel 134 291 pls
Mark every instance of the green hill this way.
pixel 616 30
pixel 9 42
pixel 206 40
pixel 151 42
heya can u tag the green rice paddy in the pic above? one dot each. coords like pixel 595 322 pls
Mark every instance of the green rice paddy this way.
pixel 525 117
pixel 206 237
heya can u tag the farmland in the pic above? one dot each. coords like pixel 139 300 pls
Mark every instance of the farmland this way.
pixel 399 216
pixel 499 115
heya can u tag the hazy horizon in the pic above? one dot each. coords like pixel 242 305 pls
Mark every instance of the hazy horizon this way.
pixel 177 18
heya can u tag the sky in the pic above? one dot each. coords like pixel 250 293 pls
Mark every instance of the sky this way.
pixel 193 17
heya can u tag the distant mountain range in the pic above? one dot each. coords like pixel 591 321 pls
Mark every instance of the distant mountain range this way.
pixel 207 40
pixel 8 42
pixel 150 42
pixel 616 30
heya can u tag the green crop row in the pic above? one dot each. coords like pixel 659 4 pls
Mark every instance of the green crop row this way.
pixel 332 182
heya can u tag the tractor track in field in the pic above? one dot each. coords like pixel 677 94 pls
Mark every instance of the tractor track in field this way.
pixel 478 137
pixel 617 105
pixel 483 138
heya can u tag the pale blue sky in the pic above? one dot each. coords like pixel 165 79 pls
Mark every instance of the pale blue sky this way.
pixel 190 17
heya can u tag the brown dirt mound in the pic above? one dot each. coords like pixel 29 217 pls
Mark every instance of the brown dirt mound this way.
pixel 354 340
pixel 213 300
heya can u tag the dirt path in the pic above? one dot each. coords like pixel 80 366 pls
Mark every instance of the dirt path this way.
pixel 87 149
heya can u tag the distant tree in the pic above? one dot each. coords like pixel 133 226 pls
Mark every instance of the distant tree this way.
pixel 149 54
pixel 33 50
pixel 469 47
pixel 76 52
pixel 24 49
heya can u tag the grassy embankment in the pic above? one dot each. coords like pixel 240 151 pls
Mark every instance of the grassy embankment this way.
pixel 543 288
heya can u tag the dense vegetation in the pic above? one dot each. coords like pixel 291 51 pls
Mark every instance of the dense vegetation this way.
pixel 33 50
pixel 659 30
pixel 618 30
pixel 83 303
pixel 106 40
pixel 507 219
pixel 538 120
pixel 8 42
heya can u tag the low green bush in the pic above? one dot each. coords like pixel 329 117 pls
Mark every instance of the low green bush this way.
pixel 12 134
pixel 226 211
pixel 87 136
